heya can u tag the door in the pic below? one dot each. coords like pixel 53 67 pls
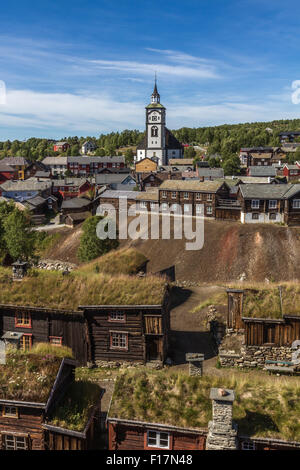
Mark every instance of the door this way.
pixel 153 352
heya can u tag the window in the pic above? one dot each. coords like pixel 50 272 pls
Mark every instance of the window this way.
pixel 164 194
pixel 255 204
pixel 10 411
pixel 116 316
pixel 272 216
pixel 23 319
pixel 199 209
pixel 118 340
pixel 208 209
pixel 26 342
pixel 187 208
pixel 198 196
pixel 272 204
pixel 154 131
pixel 255 216
pixel 164 207
pixel 15 442
pixel 209 197
pixel 55 340
pixel 186 195
pixel 248 445
pixel 173 194
pixel 158 439
pixel 296 204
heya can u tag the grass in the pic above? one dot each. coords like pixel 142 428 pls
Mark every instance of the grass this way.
pixel 261 300
pixel 264 406
pixel 30 375
pixel 124 261
pixel 44 242
pixel 52 289
pixel 74 410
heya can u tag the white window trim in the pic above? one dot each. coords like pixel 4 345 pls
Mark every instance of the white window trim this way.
pixel 272 205
pixel 158 433
pixel 255 203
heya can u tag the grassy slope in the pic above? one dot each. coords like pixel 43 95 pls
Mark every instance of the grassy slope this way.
pixel 123 261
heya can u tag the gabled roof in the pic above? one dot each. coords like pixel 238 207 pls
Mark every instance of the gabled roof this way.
pixel 262 171
pixel 211 172
pixel 27 185
pixel 267 191
pixel 75 203
pixel 19 161
pixel 191 185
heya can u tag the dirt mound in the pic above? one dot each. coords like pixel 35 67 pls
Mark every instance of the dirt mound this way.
pixel 65 246
pixel 231 250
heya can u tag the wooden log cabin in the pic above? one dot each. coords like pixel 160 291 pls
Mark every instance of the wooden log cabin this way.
pixel 117 325
pixel 265 326
pixel 40 384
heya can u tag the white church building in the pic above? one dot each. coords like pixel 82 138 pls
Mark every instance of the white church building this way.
pixel 158 143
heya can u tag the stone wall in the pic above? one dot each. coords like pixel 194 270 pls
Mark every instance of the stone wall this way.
pixel 251 356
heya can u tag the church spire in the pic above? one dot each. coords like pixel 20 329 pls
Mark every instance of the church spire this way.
pixel 155 97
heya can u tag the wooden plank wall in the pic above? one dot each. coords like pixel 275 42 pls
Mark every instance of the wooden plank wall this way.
pixel 284 333
pixel 29 422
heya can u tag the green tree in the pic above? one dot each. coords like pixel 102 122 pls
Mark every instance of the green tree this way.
pixel 129 157
pixel 189 152
pixel 90 245
pixel 231 166
pixel 18 237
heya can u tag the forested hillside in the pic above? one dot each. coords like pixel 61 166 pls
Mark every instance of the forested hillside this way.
pixel 225 140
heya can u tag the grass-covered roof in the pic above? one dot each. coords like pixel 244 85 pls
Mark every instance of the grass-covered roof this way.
pixel 74 410
pixel 41 288
pixel 263 407
pixel 29 376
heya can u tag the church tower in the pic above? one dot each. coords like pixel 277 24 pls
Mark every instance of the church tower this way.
pixel 157 139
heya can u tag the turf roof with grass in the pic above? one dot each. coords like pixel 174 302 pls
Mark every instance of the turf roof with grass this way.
pixel 74 410
pixel 30 375
pixel 263 407
pixel 123 261
pixel 40 288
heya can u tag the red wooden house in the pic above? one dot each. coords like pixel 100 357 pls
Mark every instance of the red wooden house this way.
pixel 61 146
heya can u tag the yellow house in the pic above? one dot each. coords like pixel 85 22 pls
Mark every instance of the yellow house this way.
pixel 146 165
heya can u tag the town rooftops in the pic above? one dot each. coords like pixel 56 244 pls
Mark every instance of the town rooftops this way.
pixel 181 161
pixel 87 160
pixel 191 185
pixel 75 203
pixel 110 178
pixel 6 168
pixel 187 404
pixel 257 149
pixel 52 290
pixel 269 191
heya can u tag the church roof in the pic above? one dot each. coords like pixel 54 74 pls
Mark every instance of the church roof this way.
pixel 155 105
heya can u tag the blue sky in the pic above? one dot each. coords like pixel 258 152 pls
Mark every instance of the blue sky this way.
pixel 87 67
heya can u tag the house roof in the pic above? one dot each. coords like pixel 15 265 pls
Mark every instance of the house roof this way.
pixel 29 376
pixel 34 201
pixel 269 191
pixel 26 185
pixel 79 215
pixel 71 181
pixel 181 161
pixel 262 171
pixel 75 203
pixel 191 185
pixel 148 196
pixel 187 404
pixel 19 161
pixel 119 194
pixel 4 167
pixel 109 178
pixel 211 172
pixel 87 160
pixel 52 290
pixel 55 161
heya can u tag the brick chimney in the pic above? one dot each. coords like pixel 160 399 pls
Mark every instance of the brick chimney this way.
pixel 222 433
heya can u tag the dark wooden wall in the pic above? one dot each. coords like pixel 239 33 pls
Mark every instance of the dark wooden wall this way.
pixel 280 334
pixel 130 437
pixel 29 422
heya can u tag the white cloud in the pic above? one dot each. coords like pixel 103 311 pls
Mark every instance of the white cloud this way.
pixel 47 114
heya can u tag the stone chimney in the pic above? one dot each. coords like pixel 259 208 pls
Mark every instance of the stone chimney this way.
pixel 195 361
pixel 19 270
pixel 222 433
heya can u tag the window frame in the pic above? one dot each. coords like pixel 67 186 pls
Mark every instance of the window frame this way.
pixel 10 415
pixel 23 342
pixel 209 210
pixel 117 320
pixel 157 444
pixel 22 324
pixel 248 443
pixel 254 204
pixel 254 214
pixel 55 337
pixel 13 438
pixel 118 348
pixel 296 203
pixel 271 204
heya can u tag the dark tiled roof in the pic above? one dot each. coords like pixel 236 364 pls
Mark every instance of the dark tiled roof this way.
pixel 264 191
pixel 75 203
pixel 262 171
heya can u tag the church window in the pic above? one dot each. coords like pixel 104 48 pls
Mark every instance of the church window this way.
pixel 154 131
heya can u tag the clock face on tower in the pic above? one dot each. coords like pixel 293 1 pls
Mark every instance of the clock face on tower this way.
pixel 154 117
